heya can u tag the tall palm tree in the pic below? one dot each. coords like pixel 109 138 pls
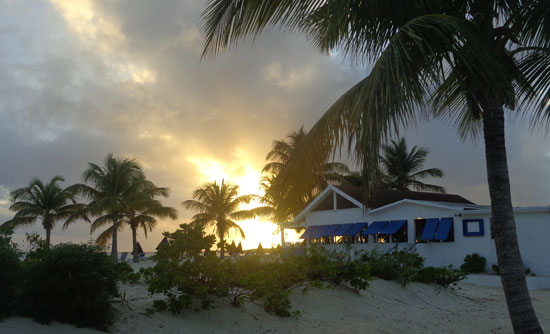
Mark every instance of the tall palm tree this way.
pixel 141 210
pixel 46 202
pixel 113 186
pixel 403 168
pixel 464 60
pixel 291 197
pixel 218 205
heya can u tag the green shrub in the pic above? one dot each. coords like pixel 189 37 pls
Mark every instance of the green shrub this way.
pixel 382 265
pixel 399 266
pixel 10 273
pixel 125 273
pixel 408 265
pixel 71 284
pixel 442 276
pixel 473 263
pixel 190 277
pixel 186 271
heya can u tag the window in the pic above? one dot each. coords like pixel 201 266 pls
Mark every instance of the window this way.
pixel 445 230
pixel 419 225
pixel 472 227
pixel 401 234
pixel 381 238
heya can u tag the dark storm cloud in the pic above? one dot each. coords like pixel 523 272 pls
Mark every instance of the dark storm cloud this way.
pixel 133 84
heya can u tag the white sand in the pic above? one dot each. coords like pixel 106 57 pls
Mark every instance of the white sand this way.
pixel 384 307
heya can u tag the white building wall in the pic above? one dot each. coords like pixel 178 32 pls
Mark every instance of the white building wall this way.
pixel 533 234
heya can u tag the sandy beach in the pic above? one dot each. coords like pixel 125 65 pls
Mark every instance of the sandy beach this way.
pixel 385 307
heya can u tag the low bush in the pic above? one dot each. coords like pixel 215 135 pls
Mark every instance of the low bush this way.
pixel 72 284
pixel 186 272
pixel 125 273
pixel 382 265
pixel 190 277
pixel 399 266
pixel 473 264
pixel 10 273
pixel 336 267
pixel 442 276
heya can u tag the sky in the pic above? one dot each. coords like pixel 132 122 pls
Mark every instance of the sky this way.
pixel 80 79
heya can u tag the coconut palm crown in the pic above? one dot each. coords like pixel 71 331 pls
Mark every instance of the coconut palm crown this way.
pixel 467 61
pixel 47 202
pixel 403 169
pixel 218 205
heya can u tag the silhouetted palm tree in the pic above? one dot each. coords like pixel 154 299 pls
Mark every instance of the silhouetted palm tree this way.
pixel 218 205
pixel 113 186
pixel 289 199
pixel 402 169
pixel 466 60
pixel 46 202
pixel 141 210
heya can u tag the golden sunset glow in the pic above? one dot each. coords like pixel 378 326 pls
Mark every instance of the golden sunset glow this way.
pixel 243 173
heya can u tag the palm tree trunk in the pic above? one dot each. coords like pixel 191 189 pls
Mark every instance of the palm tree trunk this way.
pixel 512 275
pixel 282 236
pixel 114 246
pixel 222 248
pixel 48 234
pixel 134 245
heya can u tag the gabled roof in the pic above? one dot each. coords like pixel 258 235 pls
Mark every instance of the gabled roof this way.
pixel 440 205
pixel 328 190
pixel 384 198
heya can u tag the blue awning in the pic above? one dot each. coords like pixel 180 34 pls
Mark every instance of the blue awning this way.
pixel 375 227
pixel 323 231
pixel 355 229
pixel 429 229
pixel 329 231
pixel 317 232
pixel 342 229
pixel 393 227
pixel 444 228
pixel 308 232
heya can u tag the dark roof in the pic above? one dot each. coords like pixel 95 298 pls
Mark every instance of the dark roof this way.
pixel 385 197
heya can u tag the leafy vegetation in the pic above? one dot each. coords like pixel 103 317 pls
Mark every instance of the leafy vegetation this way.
pixel 72 284
pixel 442 276
pixel 473 263
pixel 190 277
pixel 399 266
pixel 10 274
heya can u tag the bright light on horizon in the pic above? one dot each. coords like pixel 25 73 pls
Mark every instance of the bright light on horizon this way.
pixel 241 172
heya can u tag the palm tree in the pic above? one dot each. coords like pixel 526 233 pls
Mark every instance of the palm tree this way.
pixel 47 202
pixel 290 197
pixel 141 210
pixel 464 60
pixel 218 205
pixel 403 168
pixel 114 185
